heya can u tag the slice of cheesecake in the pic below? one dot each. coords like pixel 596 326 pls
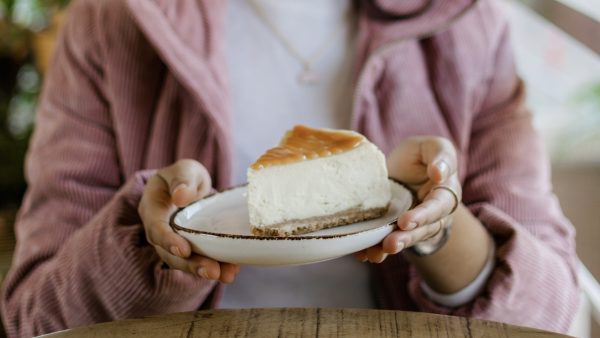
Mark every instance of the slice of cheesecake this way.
pixel 316 179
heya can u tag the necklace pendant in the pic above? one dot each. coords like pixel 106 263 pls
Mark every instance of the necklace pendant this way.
pixel 308 77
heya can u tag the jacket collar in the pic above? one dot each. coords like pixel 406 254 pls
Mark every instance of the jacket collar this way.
pixel 375 34
pixel 186 35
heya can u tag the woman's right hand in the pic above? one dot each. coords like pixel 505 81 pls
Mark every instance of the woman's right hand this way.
pixel 172 187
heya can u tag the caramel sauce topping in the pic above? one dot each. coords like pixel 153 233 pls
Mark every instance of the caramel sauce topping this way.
pixel 304 143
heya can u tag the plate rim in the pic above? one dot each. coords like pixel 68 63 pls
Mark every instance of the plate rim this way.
pixel 176 227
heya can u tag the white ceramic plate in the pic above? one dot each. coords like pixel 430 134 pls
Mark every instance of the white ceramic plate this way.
pixel 218 227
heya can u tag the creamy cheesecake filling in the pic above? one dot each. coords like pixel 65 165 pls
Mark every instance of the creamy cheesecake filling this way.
pixel 354 179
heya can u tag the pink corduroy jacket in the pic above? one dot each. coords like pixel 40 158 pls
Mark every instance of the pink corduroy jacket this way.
pixel 138 84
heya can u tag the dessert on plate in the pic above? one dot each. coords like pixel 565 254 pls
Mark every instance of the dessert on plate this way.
pixel 316 179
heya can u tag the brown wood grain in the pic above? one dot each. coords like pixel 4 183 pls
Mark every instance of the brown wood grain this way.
pixel 303 323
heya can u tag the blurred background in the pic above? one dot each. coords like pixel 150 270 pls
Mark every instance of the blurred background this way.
pixel 557 47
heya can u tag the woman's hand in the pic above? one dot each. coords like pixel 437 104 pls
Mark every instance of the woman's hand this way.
pixel 425 164
pixel 177 186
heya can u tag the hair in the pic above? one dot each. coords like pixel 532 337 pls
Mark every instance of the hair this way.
pixel 377 12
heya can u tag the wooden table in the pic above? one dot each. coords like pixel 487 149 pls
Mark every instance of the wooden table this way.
pixel 303 323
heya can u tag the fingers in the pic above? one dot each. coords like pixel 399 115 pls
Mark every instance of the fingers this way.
pixel 361 255
pixel 155 209
pixel 187 181
pixel 374 254
pixel 398 240
pixel 423 163
pixel 172 187
pixel 425 189
pixel 228 272
pixel 195 264
pixel 419 159
pixel 440 157
pixel 405 163
pixel 437 204
pixel 176 186
pixel 200 266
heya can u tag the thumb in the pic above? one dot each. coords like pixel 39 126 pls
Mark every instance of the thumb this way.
pixel 438 171
pixel 439 155
pixel 187 180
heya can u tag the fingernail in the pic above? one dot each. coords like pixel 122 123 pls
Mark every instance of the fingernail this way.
pixel 383 258
pixel 443 168
pixel 202 273
pixel 175 251
pixel 400 246
pixel 180 186
pixel 410 226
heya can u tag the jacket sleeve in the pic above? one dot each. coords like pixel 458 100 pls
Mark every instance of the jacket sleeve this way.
pixel 81 256
pixel 507 186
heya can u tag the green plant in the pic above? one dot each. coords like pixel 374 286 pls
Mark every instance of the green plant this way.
pixel 590 103
pixel 19 87
pixel 585 107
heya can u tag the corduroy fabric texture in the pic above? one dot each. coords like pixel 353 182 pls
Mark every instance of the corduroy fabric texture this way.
pixel 138 84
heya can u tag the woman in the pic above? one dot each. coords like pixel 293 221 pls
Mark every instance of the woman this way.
pixel 141 85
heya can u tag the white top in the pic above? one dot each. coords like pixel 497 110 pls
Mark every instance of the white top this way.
pixel 267 96
pixel 268 99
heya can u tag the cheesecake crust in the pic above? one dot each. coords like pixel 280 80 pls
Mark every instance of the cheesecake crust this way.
pixel 303 226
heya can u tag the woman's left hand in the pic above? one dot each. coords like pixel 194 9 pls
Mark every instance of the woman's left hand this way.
pixel 425 164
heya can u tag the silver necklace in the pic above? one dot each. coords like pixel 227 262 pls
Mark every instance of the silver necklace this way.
pixel 307 75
